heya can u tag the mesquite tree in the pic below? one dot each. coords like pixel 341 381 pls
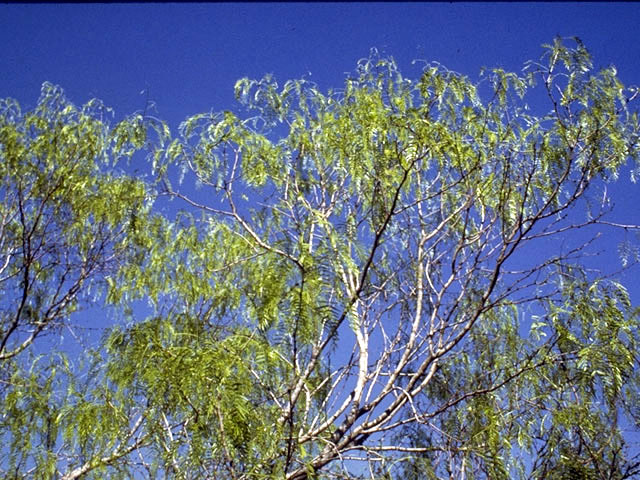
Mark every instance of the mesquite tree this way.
pixel 386 280
pixel 67 221
pixel 64 218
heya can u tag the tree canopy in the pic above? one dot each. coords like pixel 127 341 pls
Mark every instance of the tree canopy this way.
pixel 386 280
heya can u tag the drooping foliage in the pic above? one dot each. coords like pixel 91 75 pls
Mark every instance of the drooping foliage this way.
pixel 66 219
pixel 69 219
pixel 369 283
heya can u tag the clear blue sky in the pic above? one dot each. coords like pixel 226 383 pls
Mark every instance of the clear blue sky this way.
pixel 189 56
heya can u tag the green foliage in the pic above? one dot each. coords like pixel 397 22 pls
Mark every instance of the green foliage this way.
pixel 201 388
pixel 65 214
pixel 354 288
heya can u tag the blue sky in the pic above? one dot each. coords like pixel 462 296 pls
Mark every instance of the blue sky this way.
pixel 188 57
